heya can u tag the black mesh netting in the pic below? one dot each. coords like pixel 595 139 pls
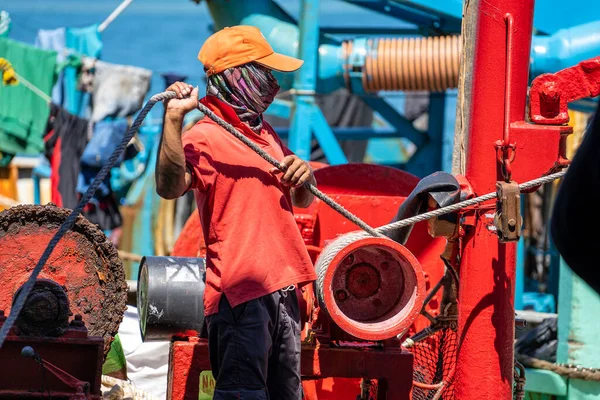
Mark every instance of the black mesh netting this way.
pixel 434 365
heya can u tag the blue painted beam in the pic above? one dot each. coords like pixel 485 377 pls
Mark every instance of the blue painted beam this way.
pixel 326 138
pixel 428 157
pixel 280 108
pixel 352 133
pixel 578 326
pixel 448 130
pixel 545 382
pixel 446 9
pixel 368 30
pixel 411 12
pixel 520 271
pixel 305 81
pixel 564 48
pixel 397 121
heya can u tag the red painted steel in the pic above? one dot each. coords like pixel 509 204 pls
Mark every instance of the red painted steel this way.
pixel 190 358
pixel 76 359
pixel 486 311
pixel 374 289
pixel 84 262
pixel 550 93
pixel 372 192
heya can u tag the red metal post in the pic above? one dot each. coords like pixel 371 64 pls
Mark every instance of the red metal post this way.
pixel 486 310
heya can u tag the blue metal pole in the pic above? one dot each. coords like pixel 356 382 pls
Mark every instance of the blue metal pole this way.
pixel 307 116
pixel 305 82
pixel 36 189
pixel 520 272
pixel 578 329
pixel 428 157
pixel 448 131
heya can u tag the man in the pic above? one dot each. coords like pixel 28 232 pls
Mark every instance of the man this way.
pixel 255 254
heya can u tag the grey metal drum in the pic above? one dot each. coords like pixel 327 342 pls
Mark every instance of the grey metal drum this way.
pixel 170 297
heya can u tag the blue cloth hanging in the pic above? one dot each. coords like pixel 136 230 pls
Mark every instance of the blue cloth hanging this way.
pixel 85 41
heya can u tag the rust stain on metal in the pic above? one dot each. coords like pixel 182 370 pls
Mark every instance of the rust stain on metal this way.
pixel 84 262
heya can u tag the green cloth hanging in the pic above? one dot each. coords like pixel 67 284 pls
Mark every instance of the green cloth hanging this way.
pixel 24 114
pixel 115 360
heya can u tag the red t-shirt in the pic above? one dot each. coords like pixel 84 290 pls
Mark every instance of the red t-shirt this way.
pixel 253 245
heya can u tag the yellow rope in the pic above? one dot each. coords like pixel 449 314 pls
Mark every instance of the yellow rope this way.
pixel 9 76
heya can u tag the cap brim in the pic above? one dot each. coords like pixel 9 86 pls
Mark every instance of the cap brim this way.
pixel 281 63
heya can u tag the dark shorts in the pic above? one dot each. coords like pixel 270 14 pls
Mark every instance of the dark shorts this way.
pixel 255 348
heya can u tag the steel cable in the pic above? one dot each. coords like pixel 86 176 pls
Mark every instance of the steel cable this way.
pixel 68 224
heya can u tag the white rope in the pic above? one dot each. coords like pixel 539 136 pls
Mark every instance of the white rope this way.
pixel 33 88
pixel 467 203
pixel 114 15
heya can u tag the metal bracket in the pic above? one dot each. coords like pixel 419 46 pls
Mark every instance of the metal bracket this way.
pixel 508 218
pixel 550 93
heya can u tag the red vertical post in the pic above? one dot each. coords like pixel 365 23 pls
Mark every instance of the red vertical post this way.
pixel 497 89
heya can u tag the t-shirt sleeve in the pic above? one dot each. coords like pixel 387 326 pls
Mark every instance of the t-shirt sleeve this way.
pixel 198 158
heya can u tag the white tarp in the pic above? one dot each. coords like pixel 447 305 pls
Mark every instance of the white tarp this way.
pixel 147 363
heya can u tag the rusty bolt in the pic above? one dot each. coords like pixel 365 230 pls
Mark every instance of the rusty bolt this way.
pixel 341 295
pixel 349 260
pixel 549 92
pixel 77 321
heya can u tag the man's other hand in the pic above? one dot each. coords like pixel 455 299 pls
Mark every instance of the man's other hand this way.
pixel 297 171
pixel 186 100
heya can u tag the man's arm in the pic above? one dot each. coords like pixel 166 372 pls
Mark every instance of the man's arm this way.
pixel 301 196
pixel 297 173
pixel 171 174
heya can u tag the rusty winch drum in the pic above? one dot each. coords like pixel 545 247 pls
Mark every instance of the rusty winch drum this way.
pixel 372 288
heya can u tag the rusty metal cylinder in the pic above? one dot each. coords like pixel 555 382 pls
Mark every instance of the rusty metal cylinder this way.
pixel 406 64
pixel 372 288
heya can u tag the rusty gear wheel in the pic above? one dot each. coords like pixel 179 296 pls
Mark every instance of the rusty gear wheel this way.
pixel 84 262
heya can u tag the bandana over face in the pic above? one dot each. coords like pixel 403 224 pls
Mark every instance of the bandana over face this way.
pixel 249 89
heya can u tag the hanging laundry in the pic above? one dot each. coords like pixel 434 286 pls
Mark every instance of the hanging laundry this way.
pixel 23 114
pixel 86 42
pixel 103 209
pixel 86 74
pixel 4 23
pixel 119 90
pixel 64 144
pixel 54 39
pixel 105 139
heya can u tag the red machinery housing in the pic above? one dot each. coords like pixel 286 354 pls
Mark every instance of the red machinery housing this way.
pixel 57 346
pixel 374 291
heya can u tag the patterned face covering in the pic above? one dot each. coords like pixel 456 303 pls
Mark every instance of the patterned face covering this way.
pixel 249 89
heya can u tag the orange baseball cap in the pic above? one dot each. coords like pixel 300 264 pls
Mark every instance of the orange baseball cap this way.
pixel 238 45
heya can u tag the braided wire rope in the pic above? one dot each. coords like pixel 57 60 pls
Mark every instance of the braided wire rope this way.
pixel 271 160
pixel 467 203
pixel 337 244
pixel 70 221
